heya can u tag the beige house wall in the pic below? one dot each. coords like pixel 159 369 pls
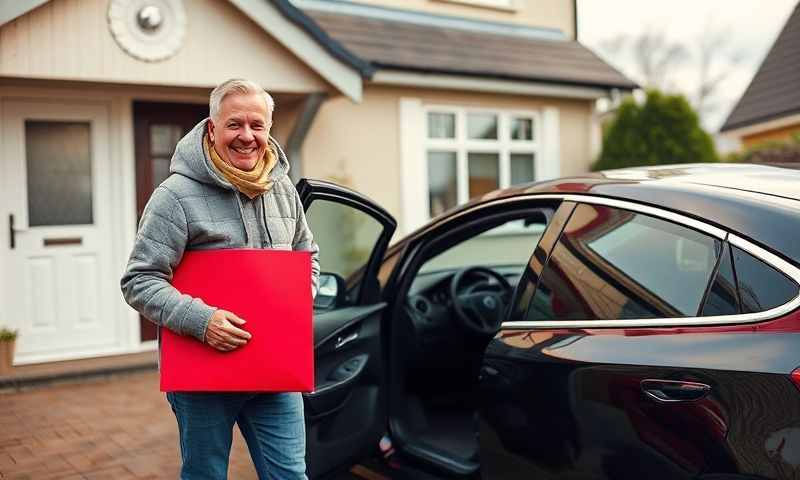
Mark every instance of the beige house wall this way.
pixel 71 40
pixel 556 14
pixel 359 144
pixel 778 134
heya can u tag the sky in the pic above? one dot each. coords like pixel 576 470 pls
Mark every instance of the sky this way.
pixel 747 29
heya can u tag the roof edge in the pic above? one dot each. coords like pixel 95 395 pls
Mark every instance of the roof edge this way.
pixel 496 76
pixel 282 25
pixel 10 11
pixel 753 122
pixel 336 49
pixel 727 125
pixel 515 87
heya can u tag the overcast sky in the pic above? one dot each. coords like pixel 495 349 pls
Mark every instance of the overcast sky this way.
pixel 750 27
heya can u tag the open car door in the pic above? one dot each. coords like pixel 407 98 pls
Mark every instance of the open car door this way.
pixel 346 414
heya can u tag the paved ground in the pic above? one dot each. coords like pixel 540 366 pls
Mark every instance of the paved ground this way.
pixel 118 429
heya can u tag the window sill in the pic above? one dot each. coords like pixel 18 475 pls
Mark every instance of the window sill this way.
pixel 488 6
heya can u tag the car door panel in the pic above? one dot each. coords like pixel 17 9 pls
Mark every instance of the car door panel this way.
pixel 346 413
pixel 645 402
pixel 572 401
pixel 345 356
pixel 348 384
pixel 327 324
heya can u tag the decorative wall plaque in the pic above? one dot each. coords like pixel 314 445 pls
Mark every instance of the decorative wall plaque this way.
pixel 150 30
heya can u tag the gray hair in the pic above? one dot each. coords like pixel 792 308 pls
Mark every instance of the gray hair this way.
pixel 237 86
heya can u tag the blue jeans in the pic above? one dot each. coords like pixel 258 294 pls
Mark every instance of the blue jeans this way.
pixel 271 423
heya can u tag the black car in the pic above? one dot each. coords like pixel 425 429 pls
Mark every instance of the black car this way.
pixel 639 323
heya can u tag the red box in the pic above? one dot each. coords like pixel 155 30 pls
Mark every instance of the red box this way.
pixel 271 290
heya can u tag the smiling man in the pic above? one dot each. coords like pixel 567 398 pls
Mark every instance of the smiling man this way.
pixel 228 188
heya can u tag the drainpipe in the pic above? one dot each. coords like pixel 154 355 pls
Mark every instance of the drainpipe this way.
pixel 294 144
pixel 575 18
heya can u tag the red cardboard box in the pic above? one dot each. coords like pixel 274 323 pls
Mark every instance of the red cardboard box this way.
pixel 271 290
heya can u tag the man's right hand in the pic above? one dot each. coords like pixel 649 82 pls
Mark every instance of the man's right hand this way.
pixel 222 332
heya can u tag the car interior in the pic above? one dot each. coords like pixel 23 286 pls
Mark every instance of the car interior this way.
pixel 457 290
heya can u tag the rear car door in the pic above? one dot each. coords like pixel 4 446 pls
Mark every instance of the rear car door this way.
pixel 345 415
pixel 644 344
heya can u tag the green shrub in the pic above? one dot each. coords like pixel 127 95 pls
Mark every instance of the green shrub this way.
pixel 664 130
pixel 7 335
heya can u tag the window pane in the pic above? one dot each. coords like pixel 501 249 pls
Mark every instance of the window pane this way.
pixel 613 264
pixel 160 170
pixel 346 237
pixel 508 245
pixel 163 139
pixel 761 287
pixel 482 126
pixel 59 162
pixel 522 129
pixel 441 125
pixel 522 168
pixel 722 296
pixel 442 181
pixel 484 173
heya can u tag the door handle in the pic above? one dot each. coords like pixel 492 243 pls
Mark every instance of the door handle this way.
pixel 11 232
pixel 342 341
pixel 667 391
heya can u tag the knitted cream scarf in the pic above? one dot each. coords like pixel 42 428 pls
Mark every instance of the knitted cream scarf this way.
pixel 252 183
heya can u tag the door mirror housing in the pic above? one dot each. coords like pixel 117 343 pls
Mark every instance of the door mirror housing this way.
pixel 332 291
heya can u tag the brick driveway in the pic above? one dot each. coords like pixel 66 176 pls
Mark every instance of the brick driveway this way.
pixel 118 428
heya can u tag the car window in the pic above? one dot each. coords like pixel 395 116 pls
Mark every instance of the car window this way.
pixel 723 297
pixel 761 287
pixel 507 245
pixel 613 264
pixel 346 238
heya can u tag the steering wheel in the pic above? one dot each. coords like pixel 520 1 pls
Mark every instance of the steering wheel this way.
pixel 480 311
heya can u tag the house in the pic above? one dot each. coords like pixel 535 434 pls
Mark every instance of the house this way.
pixel 419 104
pixel 770 107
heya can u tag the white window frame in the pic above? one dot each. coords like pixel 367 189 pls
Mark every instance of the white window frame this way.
pixel 504 146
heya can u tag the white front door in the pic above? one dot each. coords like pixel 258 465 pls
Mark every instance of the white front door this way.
pixel 57 277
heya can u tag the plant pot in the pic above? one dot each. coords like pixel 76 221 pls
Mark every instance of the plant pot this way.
pixel 6 356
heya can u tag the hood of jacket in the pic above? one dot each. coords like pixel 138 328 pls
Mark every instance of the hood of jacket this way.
pixel 190 160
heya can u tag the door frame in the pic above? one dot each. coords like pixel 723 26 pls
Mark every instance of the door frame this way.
pixel 119 100
pixel 460 225
pixel 146 113
pixel 104 208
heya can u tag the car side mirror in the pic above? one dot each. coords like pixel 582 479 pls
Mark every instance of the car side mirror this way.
pixel 332 291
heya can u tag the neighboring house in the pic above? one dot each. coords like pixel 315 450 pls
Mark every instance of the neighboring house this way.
pixel 770 107
pixel 420 104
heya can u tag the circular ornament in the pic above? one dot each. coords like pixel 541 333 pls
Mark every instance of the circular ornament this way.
pixel 150 30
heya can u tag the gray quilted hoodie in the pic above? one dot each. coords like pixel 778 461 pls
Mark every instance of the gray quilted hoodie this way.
pixel 196 208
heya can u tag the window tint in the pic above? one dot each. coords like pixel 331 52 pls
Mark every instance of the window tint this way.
pixel 615 264
pixel 761 287
pixel 722 298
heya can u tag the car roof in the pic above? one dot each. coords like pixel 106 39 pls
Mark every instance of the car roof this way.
pixel 758 202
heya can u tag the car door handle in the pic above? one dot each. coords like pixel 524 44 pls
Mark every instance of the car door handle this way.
pixel 674 391
pixel 342 341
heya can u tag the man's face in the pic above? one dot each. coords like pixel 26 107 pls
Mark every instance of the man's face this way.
pixel 240 134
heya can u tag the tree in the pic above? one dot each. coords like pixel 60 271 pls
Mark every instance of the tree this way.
pixel 698 67
pixel 664 130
